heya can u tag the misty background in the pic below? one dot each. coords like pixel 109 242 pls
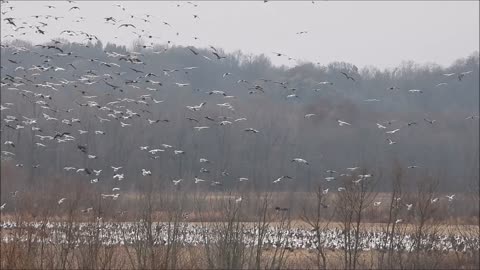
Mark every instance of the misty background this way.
pixel 447 149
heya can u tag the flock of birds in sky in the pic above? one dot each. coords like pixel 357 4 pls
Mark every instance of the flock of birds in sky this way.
pixel 15 77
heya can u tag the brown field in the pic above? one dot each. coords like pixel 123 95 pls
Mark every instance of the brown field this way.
pixel 219 210
pixel 195 258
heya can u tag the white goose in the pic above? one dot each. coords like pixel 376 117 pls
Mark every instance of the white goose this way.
pixel 145 172
pixel 299 160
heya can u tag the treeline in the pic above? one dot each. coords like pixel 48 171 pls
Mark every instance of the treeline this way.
pixel 447 149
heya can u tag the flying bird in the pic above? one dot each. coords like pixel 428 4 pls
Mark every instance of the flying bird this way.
pixel 393 131
pixel 343 123
pixel 348 76
pixel 299 160
pixel 127 25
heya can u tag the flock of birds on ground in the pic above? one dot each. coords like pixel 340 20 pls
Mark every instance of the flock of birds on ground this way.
pixel 48 79
pixel 190 234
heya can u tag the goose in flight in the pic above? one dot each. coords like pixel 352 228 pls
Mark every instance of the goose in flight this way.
pixel 251 130
pixel 127 25
pixel 119 176
pixel 376 203
pixel 6 153
pixel 201 128
pixel 357 181
pixel 441 84
pixel 380 126
pixel 107 19
pixel 226 104
pixel 9 143
pixel 257 87
pixel 102 119
pixel 409 206
pixel 145 172
pixel 390 142
pixel 326 82
pixel 61 201
pixel 182 84
pixel 176 182
pixel 150 121
pixel 197 107
pixel 193 51
pixel 343 123
pixel 281 178
pixel 450 197
pixel 340 189
pixel 241 179
pixel 115 168
pixel 309 115
pixel 198 180
pixel 398 221
pixel 415 91
pixel 204 160
pixel 472 117
pixel 192 119
pixel 218 56
pixel 461 75
pixel 299 160
pixel 392 131
pixel 44 137
pixel 225 122
pixel 154 151
pixel 348 76
pixel 430 121
pixel 113 196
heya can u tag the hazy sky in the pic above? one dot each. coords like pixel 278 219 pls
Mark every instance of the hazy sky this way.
pixel 376 33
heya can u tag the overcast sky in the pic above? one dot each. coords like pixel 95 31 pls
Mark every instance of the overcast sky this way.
pixel 376 33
